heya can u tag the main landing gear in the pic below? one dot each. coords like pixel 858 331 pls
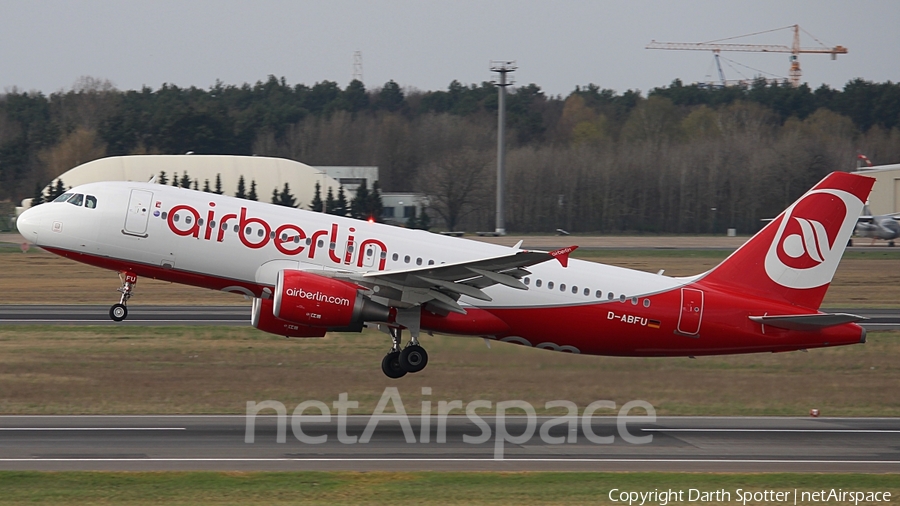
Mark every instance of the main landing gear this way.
pixel 411 359
pixel 119 312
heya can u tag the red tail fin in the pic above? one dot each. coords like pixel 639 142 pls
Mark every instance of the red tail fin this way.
pixel 794 257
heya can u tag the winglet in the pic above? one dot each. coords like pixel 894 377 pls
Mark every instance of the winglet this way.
pixel 562 254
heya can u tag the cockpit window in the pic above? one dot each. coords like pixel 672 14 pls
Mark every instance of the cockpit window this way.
pixel 90 201
pixel 62 198
pixel 76 199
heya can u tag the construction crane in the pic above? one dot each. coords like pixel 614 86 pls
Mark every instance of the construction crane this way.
pixel 716 46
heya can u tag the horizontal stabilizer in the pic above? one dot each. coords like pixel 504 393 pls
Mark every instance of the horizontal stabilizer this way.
pixel 807 321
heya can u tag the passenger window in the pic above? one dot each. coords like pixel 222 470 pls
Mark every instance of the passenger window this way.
pixel 406 259
pixel 76 199
pixel 212 224
pixel 164 215
pixel 622 298
pixel 176 217
pixel 395 257
pixel 575 289
pixel 90 202
pixel 62 198
pixel 646 302
pixel 418 261
pixel 610 296
pixel 562 287
pixel 550 285
pixel 598 294
pixel 237 228
pixel 187 219
pixel 537 283
pixel 587 291
pixel 260 232
pixel 527 281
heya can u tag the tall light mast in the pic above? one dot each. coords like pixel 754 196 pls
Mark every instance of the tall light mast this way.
pixel 502 67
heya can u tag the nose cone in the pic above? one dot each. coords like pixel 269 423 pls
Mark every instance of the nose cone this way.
pixel 28 224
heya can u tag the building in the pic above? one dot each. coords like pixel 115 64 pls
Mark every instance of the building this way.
pixel 885 196
pixel 350 177
pixel 268 173
pixel 398 208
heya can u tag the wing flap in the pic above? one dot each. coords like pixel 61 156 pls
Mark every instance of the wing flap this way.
pixel 446 283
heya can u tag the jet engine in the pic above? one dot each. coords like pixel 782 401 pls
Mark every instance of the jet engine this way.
pixel 317 301
pixel 263 319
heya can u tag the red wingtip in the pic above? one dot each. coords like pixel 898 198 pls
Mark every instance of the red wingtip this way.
pixel 562 254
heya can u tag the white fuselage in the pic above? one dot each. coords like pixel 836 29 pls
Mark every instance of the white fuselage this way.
pixel 154 238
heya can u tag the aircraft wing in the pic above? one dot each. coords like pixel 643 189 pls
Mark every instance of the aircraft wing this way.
pixel 441 286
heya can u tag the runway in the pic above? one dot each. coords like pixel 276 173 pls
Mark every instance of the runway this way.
pixel 137 315
pixel 878 319
pixel 142 443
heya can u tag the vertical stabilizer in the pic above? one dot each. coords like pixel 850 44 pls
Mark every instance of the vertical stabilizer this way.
pixel 793 258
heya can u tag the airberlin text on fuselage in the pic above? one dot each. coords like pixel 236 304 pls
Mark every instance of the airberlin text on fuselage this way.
pixel 283 240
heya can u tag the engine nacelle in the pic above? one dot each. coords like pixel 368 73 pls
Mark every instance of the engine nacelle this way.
pixel 317 301
pixel 263 319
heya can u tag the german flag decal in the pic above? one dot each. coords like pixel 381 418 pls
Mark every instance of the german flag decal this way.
pixel 653 324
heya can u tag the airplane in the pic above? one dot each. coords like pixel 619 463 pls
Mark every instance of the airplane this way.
pixel 885 227
pixel 310 273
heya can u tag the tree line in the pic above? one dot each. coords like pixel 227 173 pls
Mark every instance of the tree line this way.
pixel 680 158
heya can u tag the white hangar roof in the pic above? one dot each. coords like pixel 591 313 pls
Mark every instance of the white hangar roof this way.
pixel 269 173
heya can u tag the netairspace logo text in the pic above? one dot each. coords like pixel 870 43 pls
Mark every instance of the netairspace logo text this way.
pixel 499 432
pixel 742 496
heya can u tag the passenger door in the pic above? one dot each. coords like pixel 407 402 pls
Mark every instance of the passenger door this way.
pixel 138 213
pixel 691 312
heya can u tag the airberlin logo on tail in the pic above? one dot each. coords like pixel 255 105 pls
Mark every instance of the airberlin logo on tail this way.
pixel 810 246
pixel 811 237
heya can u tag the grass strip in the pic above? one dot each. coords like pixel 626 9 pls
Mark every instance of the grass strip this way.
pixel 197 370
pixel 393 487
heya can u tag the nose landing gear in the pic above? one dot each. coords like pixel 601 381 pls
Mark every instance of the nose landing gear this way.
pixel 119 312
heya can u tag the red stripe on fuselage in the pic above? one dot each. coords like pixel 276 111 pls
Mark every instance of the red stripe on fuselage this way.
pixel 607 328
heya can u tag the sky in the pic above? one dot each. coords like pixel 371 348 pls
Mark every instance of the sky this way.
pixel 47 45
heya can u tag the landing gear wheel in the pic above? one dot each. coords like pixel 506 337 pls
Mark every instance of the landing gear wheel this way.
pixel 413 358
pixel 118 312
pixel 891 244
pixel 390 365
